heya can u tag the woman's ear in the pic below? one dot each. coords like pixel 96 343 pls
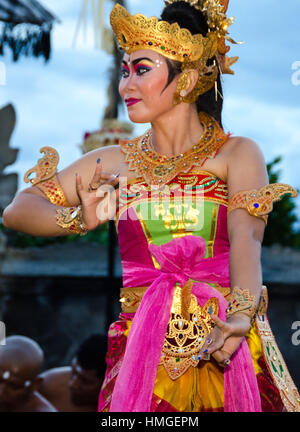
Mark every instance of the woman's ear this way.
pixel 194 76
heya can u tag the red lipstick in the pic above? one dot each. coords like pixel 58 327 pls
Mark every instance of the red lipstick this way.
pixel 131 101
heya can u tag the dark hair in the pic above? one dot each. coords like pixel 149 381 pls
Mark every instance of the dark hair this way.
pixel 91 354
pixel 193 20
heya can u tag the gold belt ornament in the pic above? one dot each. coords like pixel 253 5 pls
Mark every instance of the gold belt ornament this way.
pixel 188 327
pixel 131 298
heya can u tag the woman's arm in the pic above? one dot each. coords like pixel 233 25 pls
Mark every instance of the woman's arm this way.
pixel 30 211
pixel 246 170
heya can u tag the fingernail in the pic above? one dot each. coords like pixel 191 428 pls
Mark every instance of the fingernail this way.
pixel 117 175
pixel 98 160
pixel 205 351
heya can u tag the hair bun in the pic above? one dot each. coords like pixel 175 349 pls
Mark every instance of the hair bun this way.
pixel 186 16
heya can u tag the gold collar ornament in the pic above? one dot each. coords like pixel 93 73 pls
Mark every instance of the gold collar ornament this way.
pixel 137 32
pixel 158 169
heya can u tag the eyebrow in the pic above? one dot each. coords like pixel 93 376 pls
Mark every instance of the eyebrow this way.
pixel 138 60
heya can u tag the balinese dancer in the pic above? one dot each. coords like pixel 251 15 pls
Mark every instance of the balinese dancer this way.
pixel 192 205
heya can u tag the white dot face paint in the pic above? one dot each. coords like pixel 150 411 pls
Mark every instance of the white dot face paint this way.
pixel 27 383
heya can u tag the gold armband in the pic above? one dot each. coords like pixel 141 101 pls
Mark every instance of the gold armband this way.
pixel 46 179
pixel 70 218
pixel 259 203
pixel 241 301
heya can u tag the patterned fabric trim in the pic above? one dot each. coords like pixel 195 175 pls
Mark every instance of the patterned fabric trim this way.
pixel 137 190
pixel 274 360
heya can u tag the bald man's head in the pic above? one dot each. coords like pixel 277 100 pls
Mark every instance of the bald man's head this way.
pixel 22 355
pixel 21 360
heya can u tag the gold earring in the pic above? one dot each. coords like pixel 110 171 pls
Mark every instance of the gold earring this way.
pixel 182 86
pixel 216 91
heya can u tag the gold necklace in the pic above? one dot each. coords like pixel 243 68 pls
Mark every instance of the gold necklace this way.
pixel 158 169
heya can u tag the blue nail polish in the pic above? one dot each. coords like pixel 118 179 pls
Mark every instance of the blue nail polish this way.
pixel 98 160
pixel 205 351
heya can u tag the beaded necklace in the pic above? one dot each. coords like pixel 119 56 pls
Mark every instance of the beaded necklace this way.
pixel 158 169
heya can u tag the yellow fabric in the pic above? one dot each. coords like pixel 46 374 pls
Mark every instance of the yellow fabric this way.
pixel 255 347
pixel 200 388
pixel 128 324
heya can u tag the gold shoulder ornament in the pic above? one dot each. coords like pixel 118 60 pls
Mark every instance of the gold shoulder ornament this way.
pixel 45 177
pixel 69 218
pixel 259 202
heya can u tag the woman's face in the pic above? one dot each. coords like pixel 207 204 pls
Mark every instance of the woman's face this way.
pixel 142 86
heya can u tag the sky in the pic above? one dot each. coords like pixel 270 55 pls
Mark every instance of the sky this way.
pixel 58 101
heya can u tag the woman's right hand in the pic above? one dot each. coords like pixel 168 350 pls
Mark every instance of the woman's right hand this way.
pixel 223 355
pixel 95 201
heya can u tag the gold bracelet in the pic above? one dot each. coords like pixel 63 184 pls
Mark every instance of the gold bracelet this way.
pixel 241 301
pixel 70 218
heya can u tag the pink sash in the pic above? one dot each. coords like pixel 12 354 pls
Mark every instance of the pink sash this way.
pixel 180 259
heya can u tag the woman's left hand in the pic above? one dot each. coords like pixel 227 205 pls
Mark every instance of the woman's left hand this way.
pixel 237 325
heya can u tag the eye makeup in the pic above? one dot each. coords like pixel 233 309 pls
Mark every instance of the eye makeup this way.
pixel 125 67
pixel 138 68
pixel 143 65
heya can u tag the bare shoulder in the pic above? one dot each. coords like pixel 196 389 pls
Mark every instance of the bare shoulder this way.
pixel 54 373
pixel 52 379
pixel 246 167
pixel 237 146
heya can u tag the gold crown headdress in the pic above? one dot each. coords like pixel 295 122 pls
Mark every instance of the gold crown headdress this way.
pixel 215 12
pixel 218 23
pixel 137 32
